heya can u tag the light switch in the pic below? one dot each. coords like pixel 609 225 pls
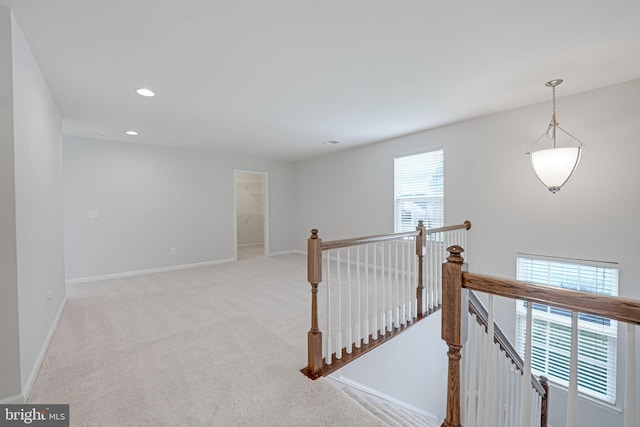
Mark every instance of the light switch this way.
pixel 94 214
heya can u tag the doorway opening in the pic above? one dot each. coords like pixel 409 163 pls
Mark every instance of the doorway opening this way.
pixel 252 234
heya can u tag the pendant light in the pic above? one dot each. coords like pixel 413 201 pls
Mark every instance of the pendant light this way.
pixel 554 166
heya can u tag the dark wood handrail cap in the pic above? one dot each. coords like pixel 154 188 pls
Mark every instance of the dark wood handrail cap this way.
pixel 467 224
pixel 314 233
pixel 455 251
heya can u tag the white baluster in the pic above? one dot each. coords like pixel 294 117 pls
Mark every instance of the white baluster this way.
pixel 389 290
pixel 489 367
pixel 482 384
pixel 442 255
pixel 439 250
pixel 435 260
pixel 412 284
pixel 464 382
pixel 512 397
pixel 396 306
pixel 403 282
pixel 464 242
pixel 349 304
pixel 517 400
pixel 375 292
pixel 358 328
pixel 408 260
pixel 329 314
pixel 472 361
pixel 366 306
pixel 408 275
pixel 630 399
pixel 383 284
pixel 502 384
pixel 415 286
pixel 339 332
pixel 537 401
pixel 525 394
pixel 427 274
pixel 433 265
pixel 572 391
pixel 431 275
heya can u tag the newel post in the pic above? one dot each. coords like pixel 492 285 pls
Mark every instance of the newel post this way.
pixel 314 270
pixel 420 242
pixel 544 409
pixel 455 309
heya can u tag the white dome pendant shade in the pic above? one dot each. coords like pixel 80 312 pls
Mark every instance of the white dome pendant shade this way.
pixel 554 166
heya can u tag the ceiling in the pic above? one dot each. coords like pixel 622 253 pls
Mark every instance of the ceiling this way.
pixel 277 78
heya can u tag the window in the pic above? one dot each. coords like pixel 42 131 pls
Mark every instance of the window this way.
pixel 551 335
pixel 419 190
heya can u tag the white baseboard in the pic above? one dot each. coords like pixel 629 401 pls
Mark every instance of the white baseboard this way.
pixel 244 245
pixel 18 399
pixel 358 386
pixel 31 379
pixel 289 252
pixel 149 271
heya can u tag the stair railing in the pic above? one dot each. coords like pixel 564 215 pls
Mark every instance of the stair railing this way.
pixel 456 286
pixel 493 374
pixel 374 287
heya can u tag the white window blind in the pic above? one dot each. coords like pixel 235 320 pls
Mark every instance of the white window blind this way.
pixel 419 190
pixel 551 335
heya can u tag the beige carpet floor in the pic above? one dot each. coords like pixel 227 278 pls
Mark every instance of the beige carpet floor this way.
pixel 213 346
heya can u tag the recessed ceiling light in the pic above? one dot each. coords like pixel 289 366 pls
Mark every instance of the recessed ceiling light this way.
pixel 131 132
pixel 145 92
pixel 332 142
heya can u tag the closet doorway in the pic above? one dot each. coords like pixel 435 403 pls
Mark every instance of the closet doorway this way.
pixel 251 203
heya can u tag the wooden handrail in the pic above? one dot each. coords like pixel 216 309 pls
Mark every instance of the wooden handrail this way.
pixel 616 308
pixel 466 225
pixel 344 243
pixel 476 307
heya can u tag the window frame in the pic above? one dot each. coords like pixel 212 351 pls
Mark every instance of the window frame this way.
pixel 591 333
pixel 433 199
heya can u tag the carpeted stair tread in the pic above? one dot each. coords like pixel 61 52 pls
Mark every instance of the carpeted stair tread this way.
pixel 389 413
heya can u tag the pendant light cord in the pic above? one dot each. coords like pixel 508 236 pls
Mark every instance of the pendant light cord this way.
pixel 553 124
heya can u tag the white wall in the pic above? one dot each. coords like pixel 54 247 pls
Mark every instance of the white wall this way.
pixel 38 163
pixel 150 199
pixel 9 332
pixel 488 180
pixel 412 365
pixel 31 263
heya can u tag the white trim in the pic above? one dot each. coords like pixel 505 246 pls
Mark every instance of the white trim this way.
pixel 250 244
pixel 31 379
pixel 290 251
pixel 336 376
pixel 18 399
pixel 149 271
pixel 614 409
pixel 586 262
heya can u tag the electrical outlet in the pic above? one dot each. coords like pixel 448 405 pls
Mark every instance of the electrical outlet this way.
pixel 94 214
pixel 172 251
